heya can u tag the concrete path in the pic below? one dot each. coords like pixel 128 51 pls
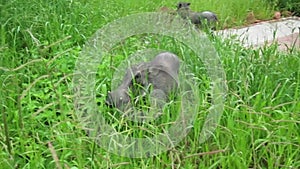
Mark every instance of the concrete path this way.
pixel 284 31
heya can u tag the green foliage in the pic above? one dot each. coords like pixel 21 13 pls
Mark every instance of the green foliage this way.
pixel 287 5
pixel 40 42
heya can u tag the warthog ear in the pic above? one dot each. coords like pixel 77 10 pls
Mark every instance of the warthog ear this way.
pixel 188 4
pixel 137 77
pixel 179 5
pixel 154 70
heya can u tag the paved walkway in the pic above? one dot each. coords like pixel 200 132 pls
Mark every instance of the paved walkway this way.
pixel 285 31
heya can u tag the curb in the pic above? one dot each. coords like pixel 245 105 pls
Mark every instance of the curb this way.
pixel 284 32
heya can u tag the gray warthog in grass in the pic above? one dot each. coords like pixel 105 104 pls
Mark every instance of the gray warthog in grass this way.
pixel 161 74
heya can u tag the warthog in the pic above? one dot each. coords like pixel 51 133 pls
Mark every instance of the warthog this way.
pixel 197 18
pixel 161 74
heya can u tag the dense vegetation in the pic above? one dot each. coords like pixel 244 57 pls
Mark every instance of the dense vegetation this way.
pixel 41 41
pixel 288 5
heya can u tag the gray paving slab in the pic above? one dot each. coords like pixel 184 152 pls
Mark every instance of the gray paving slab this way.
pixel 264 32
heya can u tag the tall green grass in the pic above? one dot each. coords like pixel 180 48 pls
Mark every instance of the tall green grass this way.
pixel 40 42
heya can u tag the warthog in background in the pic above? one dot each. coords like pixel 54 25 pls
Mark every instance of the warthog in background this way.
pixel 161 74
pixel 197 18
